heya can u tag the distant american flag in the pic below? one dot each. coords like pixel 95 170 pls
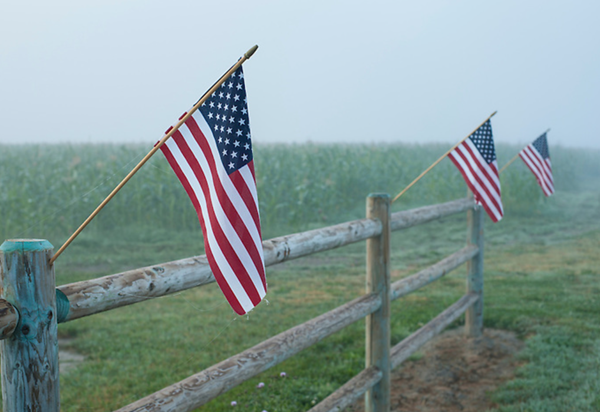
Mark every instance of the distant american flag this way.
pixel 211 154
pixel 537 159
pixel 476 161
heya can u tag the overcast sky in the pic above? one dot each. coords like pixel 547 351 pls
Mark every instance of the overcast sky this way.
pixel 325 71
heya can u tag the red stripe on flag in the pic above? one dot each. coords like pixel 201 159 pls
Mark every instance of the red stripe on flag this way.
pixel 548 169
pixel 246 194
pixel 226 204
pixel 481 166
pixel 221 281
pixel 222 241
pixel 533 160
pixel 230 210
pixel 473 188
pixel 478 186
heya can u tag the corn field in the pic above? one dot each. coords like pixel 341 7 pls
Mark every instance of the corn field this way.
pixel 48 190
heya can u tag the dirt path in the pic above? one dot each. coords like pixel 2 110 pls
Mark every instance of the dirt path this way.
pixel 455 374
pixel 67 358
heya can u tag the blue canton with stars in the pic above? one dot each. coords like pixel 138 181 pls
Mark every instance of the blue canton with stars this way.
pixel 541 145
pixel 484 142
pixel 226 112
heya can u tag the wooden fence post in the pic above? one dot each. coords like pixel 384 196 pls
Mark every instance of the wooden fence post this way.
pixel 30 356
pixel 474 315
pixel 377 399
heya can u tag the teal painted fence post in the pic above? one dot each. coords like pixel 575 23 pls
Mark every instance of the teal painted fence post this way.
pixel 474 315
pixel 30 356
pixel 377 341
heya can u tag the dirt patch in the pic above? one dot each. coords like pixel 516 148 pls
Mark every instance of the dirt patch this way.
pixel 454 374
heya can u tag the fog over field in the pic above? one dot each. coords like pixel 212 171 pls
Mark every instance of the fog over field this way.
pixel 326 71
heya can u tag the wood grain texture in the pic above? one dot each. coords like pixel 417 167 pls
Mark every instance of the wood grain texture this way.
pixel 418 216
pixel 9 318
pixel 200 388
pixel 113 291
pixel 377 324
pixel 30 356
pixel 350 391
pixel 408 346
pixel 301 244
pixel 424 277
pixel 474 315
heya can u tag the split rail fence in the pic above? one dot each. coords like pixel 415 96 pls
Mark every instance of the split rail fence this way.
pixel 31 306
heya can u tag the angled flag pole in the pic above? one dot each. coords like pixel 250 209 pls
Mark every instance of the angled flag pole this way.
pixel 516 157
pixel 170 132
pixel 440 159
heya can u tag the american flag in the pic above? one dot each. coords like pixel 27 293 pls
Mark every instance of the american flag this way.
pixel 211 154
pixel 537 159
pixel 475 158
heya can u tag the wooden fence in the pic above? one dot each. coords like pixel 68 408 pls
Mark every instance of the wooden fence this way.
pixel 31 307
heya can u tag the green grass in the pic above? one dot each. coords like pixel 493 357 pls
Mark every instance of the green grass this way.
pixel 541 269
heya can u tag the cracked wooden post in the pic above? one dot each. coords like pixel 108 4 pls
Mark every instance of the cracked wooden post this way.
pixel 30 355
pixel 377 399
pixel 474 315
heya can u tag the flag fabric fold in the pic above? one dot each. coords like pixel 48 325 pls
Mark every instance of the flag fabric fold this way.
pixel 475 158
pixel 211 154
pixel 537 159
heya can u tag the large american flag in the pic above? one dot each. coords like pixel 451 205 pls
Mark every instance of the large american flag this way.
pixel 537 159
pixel 475 157
pixel 211 154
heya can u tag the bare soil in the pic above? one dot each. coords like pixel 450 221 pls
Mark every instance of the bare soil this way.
pixel 455 374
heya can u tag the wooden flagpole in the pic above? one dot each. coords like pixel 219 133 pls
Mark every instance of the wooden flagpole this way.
pixel 440 159
pixel 514 158
pixel 205 97
pixel 509 163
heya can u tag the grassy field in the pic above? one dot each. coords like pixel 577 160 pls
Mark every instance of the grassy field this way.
pixel 541 268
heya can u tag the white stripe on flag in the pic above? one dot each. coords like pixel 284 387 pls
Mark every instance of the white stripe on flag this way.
pixel 532 159
pixel 229 231
pixel 235 198
pixel 536 164
pixel 478 165
pixel 230 189
pixel 478 188
pixel 228 274
pixel 548 169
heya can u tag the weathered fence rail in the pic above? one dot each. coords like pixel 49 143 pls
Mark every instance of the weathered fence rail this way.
pixel 200 388
pixel 86 298
pixel 113 291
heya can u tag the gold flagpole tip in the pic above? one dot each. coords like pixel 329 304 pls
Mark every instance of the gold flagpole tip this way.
pixel 547 130
pixel 492 115
pixel 250 52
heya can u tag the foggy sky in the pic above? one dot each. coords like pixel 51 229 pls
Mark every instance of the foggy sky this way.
pixel 325 71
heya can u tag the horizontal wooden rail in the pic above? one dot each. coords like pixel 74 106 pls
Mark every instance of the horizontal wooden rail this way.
pixel 418 216
pixel 350 392
pixel 409 284
pixel 200 388
pixel 408 346
pixel 113 291
pixel 9 319
pixel 357 386
pixel 122 289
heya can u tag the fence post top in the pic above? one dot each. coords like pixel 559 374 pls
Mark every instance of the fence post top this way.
pixel 384 195
pixel 25 245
